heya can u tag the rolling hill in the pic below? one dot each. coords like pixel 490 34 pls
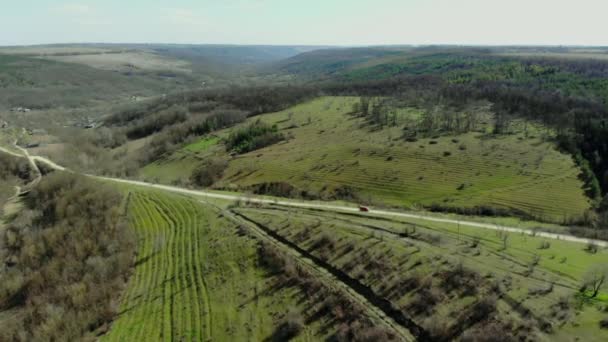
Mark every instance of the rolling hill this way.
pixel 329 149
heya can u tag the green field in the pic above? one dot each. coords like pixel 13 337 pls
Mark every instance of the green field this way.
pixel 403 260
pixel 198 277
pixel 329 148
pixel 202 144
pixel 195 278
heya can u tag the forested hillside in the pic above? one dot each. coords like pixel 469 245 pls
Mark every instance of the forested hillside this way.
pixel 66 257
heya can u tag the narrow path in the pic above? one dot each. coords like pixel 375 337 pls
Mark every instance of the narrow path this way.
pixel 32 163
pixel 17 193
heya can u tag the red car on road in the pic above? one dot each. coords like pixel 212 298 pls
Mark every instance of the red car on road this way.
pixel 364 209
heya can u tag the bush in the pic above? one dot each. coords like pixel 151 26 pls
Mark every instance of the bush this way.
pixel 544 245
pixel 13 167
pixel 289 328
pixel 591 247
pixel 492 332
pixel 461 280
pixel 278 189
pixel 589 233
pixel 209 172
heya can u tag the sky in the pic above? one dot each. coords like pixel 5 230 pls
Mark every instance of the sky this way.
pixel 306 22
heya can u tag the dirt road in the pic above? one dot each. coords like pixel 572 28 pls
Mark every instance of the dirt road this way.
pixel 329 207
pixel 322 206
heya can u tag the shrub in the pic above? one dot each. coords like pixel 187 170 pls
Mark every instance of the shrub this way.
pixel 604 323
pixel 591 247
pixel 492 332
pixel 344 192
pixel 291 326
pixel 544 245
pixel 11 167
pixel 209 172
pixel 474 242
pixel 461 280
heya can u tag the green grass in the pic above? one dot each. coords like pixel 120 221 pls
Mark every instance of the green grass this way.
pixel 330 148
pixel 202 144
pixel 170 171
pixel 195 278
pixel 563 264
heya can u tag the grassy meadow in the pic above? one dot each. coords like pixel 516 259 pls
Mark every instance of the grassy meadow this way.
pixel 328 148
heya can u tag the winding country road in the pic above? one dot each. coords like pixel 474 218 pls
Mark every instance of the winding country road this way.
pixel 317 205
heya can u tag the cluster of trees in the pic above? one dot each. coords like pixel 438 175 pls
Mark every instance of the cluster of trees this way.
pixel 209 172
pixel 175 119
pixel 253 137
pixel 340 309
pixel 11 167
pixel 376 111
pixel 172 137
pixel 581 122
pixel 253 100
pixel 155 122
pixel 65 260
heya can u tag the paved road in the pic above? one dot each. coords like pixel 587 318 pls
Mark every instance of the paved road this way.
pixel 322 206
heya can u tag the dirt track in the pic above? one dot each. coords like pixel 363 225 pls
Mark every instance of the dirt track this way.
pixel 322 206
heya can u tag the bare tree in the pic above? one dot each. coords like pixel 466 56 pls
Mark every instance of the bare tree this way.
pixel 595 279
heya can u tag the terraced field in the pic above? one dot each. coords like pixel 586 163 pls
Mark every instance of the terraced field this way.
pixel 196 279
pixel 329 148
pixel 417 265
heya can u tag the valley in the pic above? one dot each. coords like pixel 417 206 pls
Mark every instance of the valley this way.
pixel 165 192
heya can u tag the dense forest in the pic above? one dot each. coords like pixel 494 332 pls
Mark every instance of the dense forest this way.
pixel 11 167
pixel 65 259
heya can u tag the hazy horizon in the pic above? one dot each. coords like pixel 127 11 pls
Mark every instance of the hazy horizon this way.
pixel 309 23
pixel 308 45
